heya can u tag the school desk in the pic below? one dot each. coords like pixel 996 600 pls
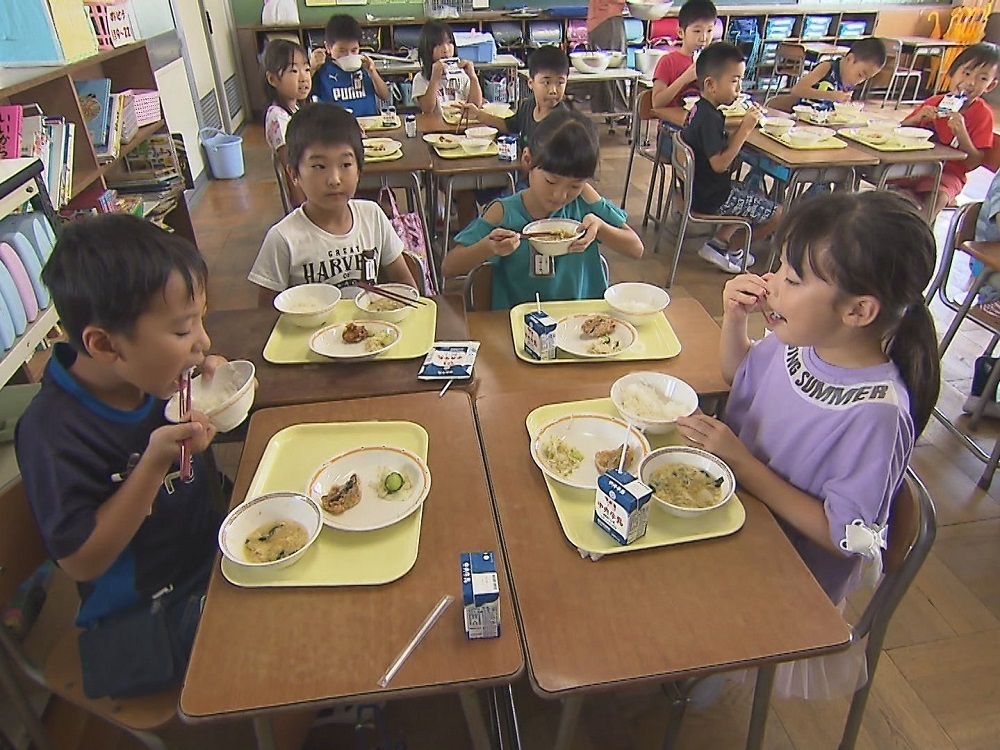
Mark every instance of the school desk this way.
pixel 894 165
pixel 241 334
pixel 649 616
pixel 259 650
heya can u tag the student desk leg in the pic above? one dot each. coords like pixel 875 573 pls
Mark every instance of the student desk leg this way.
pixel 880 175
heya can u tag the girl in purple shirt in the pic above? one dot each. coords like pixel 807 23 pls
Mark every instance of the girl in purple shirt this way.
pixel 824 412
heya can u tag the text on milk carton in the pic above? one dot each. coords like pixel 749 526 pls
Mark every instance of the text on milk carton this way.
pixel 480 595
pixel 621 506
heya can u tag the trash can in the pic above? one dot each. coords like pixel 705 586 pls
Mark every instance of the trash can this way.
pixel 224 151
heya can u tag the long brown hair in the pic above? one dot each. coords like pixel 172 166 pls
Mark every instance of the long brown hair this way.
pixel 877 244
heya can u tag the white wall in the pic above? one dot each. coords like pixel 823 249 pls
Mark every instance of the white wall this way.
pixel 179 110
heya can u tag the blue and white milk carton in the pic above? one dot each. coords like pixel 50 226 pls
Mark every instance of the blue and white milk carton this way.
pixel 480 595
pixel 540 335
pixel 622 506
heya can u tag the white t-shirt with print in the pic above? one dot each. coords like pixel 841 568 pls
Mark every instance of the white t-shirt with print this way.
pixel 296 251
pixel 454 90
pixel 275 124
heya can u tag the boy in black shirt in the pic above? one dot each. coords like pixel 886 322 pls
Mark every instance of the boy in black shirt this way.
pixel 720 70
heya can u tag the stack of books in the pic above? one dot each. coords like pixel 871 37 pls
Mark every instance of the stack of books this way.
pixel 110 119
pixel 25 131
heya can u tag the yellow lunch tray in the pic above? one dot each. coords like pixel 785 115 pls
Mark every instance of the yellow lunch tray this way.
pixel 459 153
pixel 575 507
pixel 657 339
pixel 289 345
pixel 887 145
pixel 397 154
pixel 825 145
pixel 834 118
pixel 337 558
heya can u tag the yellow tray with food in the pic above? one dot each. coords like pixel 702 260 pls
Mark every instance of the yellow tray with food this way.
pixel 881 140
pixel 369 479
pixel 801 139
pixel 570 441
pixel 375 124
pixel 590 330
pixel 462 152
pixel 289 344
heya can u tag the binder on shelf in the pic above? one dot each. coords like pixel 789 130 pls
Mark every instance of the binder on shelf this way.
pixel 10 131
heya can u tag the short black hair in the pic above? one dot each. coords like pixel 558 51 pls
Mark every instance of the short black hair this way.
pixel 279 55
pixel 715 58
pixel 870 49
pixel 432 34
pixel 696 10
pixel 548 59
pixel 325 123
pixel 105 271
pixel 342 28
pixel 565 143
pixel 978 55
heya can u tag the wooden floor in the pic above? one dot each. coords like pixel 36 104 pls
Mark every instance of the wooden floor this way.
pixel 936 687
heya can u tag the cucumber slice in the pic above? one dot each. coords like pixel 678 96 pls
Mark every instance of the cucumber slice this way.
pixel 393 482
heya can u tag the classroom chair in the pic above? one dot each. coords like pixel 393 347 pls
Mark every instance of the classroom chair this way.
pixel 961 234
pixel 21 552
pixel 682 185
pixel 893 73
pixel 911 531
pixel 789 65
pixel 640 144
pixel 281 176
pixel 478 285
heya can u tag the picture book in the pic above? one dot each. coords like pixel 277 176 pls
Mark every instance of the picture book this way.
pixel 95 103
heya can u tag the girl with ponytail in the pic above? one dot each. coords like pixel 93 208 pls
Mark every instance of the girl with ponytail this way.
pixel 824 412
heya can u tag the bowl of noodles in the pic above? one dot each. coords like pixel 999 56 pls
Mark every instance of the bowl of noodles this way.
pixel 653 401
pixel 377 307
pixel 687 482
pixel 553 236
pixel 272 531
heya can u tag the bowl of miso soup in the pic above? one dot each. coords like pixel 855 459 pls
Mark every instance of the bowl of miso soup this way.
pixel 270 531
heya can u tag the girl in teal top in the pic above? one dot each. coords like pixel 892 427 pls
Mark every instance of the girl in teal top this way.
pixel 561 156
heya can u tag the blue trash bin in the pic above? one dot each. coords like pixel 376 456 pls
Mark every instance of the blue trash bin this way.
pixel 224 151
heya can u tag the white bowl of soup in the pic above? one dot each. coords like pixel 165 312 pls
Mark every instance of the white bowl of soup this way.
pixel 687 482
pixel 808 136
pixel 475 145
pixel 481 131
pixel 349 63
pixel 777 125
pixel 636 302
pixel 271 531
pixel 308 305
pixel 552 236
pixel 225 399
pixel 911 136
pixel 653 401
pixel 590 62
pixel 377 307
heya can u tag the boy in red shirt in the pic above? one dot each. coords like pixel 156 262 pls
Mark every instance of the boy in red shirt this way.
pixel 675 77
pixel 968 128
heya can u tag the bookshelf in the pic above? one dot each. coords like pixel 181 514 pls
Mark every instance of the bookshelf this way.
pixel 53 89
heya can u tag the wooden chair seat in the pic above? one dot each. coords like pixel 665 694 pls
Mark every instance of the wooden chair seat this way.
pixel 987 253
pixel 63 674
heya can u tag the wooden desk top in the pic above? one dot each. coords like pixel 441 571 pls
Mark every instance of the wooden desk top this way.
pixel 416 156
pixel 434 123
pixel 498 370
pixel 938 153
pixel 262 648
pixel 804 158
pixel 241 334
pixel 472 165
pixel 926 41
pixel 824 48
pixel 648 616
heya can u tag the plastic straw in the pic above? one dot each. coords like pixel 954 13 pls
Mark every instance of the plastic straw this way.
pixel 415 640
pixel 538 303
pixel 628 434
pixel 446 387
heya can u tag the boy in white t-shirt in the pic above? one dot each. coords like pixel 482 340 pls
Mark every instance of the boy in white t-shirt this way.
pixel 331 238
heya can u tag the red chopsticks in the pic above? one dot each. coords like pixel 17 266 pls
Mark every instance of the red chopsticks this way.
pixel 184 407
pixel 390 294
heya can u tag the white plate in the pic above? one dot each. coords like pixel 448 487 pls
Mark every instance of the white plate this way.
pixel 435 139
pixel 371 464
pixel 570 337
pixel 328 342
pixel 391 146
pixel 588 433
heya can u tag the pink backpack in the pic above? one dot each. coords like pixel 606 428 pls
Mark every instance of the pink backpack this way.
pixel 410 228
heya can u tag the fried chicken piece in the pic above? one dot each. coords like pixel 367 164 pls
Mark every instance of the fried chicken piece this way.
pixel 606 460
pixel 598 325
pixel 354 334
pixel 342 497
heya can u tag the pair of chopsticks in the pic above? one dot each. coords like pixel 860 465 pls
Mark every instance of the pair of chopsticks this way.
pixel 184 409
pixel 391 295
pixel 464 117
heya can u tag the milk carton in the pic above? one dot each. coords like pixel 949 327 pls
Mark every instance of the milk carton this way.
pixel 622 506
pixel 480 595
pixel 540 335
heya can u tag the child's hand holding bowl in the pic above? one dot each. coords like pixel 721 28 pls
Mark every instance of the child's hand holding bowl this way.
pixel 592 225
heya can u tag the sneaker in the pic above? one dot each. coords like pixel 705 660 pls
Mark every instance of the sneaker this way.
pixel 717 258
pixel 736 259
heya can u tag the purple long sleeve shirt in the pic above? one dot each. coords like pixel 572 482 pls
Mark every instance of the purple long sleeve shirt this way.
pixel 843 436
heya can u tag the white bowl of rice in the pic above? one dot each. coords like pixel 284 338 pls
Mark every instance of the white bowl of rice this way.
pixel 687 482
pixel 636 302
pixel 225 399
pixel 653 401
pixel 308 305
pixel 377 307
